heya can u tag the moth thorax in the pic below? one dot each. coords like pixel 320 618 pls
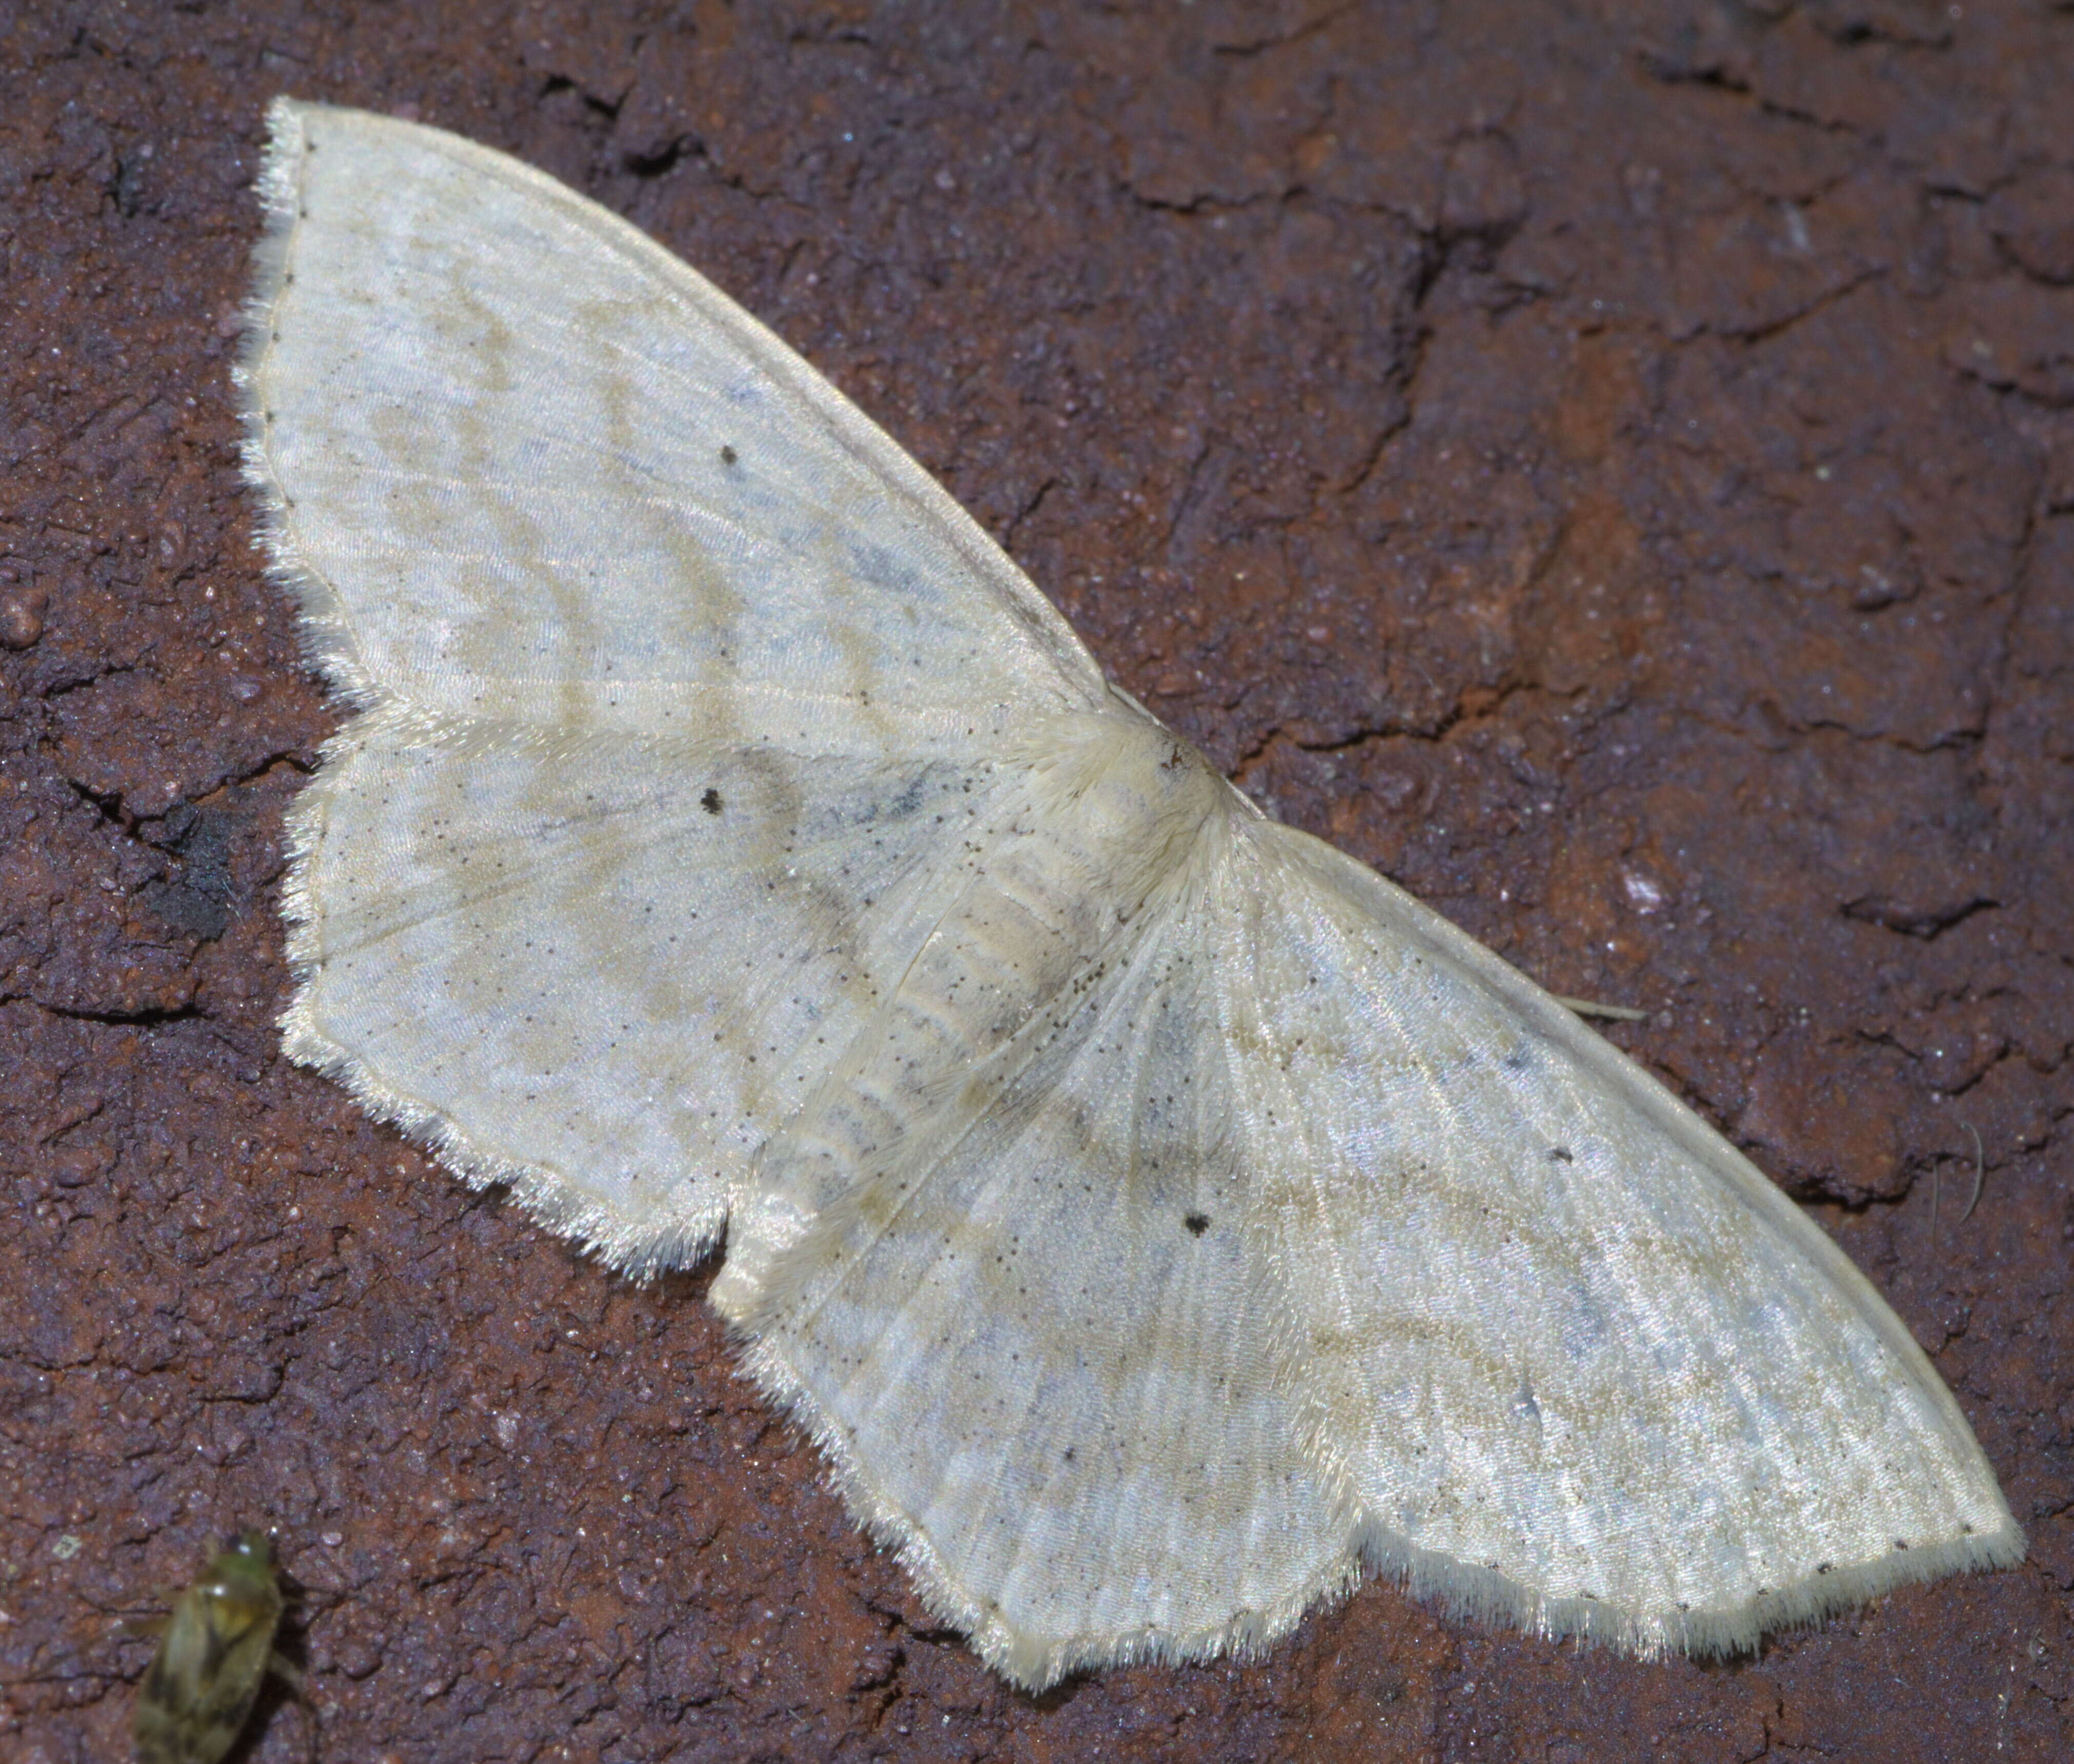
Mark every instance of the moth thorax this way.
pixel 1132 797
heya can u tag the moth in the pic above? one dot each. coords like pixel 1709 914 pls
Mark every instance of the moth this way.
pixel 214 1651
pixel 1157 1218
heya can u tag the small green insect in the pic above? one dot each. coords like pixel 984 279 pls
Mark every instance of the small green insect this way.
pixel 214 1650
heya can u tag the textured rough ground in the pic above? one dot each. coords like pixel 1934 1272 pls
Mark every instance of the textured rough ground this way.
pixel 1613 470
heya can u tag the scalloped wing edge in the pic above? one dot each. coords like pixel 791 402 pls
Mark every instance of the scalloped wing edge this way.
pixel 641 1252
pixel 1455 1589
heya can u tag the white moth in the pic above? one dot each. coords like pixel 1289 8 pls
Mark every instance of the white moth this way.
pixel 1156 1217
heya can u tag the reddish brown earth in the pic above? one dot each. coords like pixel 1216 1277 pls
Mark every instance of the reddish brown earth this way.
pixel 1612 466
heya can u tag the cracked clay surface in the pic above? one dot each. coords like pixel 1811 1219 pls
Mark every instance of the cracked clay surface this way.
pixel 1611 468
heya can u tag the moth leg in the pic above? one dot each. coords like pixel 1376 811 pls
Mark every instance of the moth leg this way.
pixel 1588 1007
